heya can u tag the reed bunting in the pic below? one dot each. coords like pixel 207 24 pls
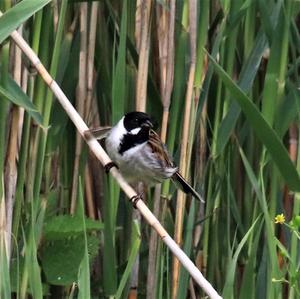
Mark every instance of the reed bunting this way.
pixel 139 152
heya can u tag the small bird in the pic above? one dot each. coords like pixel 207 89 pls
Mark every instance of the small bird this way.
pixel 139 152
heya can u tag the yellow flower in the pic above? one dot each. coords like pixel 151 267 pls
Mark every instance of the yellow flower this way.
pixel 280 219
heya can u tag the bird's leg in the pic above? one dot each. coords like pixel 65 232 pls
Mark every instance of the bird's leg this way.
pixel 134 199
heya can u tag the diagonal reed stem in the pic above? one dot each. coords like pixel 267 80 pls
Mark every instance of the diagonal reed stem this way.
pixel 104 159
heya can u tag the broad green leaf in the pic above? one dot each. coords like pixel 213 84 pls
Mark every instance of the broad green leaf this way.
pixel 263 131
pixel 16 95
pixel 17 15
pixel 61 266
pixel 65 226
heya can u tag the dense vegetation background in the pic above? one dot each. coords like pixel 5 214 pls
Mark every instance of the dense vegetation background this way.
pixel 222 80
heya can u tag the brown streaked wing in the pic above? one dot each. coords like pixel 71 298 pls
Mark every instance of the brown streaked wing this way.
pixel 159 148
pixel 100 132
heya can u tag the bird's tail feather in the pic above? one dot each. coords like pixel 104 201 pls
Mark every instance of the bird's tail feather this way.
pixel 178 179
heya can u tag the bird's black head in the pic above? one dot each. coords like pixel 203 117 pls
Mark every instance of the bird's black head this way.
pixel 135 119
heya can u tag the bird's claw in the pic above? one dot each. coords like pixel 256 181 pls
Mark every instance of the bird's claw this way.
pixel 109 166
pixel 134 199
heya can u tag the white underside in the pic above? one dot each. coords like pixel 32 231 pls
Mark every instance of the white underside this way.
pixel 138 163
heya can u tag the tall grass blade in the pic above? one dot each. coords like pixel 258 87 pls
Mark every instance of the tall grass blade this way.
pixel 259 188
pixel 17 15
pixel 247 76
pixel 248 284
pixel 135 245
pixel 32 267
pixel 188 233
pixel 15 94
pixel 248 73
pixel 119 77
pixel 5 286
pixel 265 133
pixel 277 65
pixel 84 268
pixel 229 282
pixel 5 290
pixel 118 93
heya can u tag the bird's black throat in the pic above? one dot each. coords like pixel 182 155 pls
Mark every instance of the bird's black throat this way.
pixel 131 140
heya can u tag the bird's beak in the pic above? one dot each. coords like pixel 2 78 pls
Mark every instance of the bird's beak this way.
pixel 147 124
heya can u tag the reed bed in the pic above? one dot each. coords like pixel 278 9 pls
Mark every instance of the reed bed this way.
pixel 222 80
